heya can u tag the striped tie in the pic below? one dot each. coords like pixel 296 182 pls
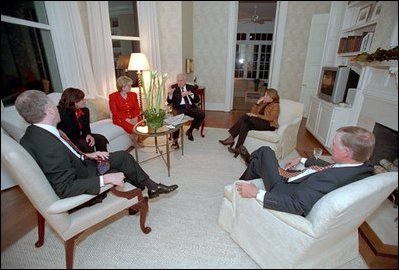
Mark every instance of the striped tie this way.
pixel 289 174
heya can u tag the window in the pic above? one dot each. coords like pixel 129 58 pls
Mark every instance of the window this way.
pixel 253 53
pixel 27 54
pixel 125 35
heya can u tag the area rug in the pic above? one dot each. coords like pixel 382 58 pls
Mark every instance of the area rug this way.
pixel 185 233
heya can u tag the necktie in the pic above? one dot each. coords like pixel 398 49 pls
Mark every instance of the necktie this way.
pixel 65 137
pixel 186 100
pixel 289 174
pixel 102 165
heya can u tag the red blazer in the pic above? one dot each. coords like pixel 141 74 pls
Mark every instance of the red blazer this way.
pixel 124 108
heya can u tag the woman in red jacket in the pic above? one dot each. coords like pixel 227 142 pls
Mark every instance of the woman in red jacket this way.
pixel 125 107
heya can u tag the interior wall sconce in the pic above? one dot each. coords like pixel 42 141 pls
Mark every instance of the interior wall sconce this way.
pixel 189 66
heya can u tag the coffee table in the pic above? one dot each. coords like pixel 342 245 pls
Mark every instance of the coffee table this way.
pixel 142 129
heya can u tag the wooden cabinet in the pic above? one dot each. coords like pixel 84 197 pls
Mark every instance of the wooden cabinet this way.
pixel 325 118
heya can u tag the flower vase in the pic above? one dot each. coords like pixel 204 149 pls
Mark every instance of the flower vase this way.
pixel 153 118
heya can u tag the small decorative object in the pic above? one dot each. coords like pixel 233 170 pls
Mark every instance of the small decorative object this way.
pixel 376 11
pixel 256 81
pixel 363 15
pixel 153 95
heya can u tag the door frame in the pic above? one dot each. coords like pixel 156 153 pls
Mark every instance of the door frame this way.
pixel 277 51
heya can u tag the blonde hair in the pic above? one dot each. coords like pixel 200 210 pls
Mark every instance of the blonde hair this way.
pixel 359 140
pixel 122 81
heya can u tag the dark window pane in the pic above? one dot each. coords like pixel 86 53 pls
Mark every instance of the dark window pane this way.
pixel 244 36
pixel 258 35
pixel 27 10
pixel 27 62
pixel 123 18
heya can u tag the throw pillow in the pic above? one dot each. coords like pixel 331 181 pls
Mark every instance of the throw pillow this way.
pixel 99 109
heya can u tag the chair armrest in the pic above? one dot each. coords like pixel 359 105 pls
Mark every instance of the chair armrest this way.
pixel 64 205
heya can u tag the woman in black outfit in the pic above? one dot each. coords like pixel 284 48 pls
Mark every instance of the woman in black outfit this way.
pixel 75 122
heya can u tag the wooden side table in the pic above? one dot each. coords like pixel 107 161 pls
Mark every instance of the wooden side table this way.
pixel 201 93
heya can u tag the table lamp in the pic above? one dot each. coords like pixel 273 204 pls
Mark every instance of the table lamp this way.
pixel 139 62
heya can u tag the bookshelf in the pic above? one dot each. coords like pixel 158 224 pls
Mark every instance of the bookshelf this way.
pixel 359 23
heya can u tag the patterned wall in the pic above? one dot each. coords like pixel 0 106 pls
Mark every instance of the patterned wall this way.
pixel 299 18
pixel 385 25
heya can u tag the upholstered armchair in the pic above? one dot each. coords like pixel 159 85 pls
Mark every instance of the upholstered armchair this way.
pixel 28 175
pixel 282 140
pixel 326 238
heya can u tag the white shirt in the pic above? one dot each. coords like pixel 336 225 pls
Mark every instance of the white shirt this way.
pixel 53 130
pixel 183 102
pixel 261 193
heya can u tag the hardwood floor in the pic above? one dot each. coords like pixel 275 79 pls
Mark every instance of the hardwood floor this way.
pixel 18 216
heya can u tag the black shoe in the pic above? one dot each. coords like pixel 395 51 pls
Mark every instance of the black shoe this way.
pixel 235 151
pixel 226 142
pixel 244 154
pixel 190 135
pixel 175 145
pixel 161 189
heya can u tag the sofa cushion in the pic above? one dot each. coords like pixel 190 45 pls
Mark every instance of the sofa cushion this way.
pixel 99 109
pixel 270 136
pixel 287 115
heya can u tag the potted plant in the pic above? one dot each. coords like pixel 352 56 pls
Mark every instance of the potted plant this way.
pixel 153 95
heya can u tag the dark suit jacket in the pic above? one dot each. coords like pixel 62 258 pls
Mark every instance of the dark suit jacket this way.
pixel 299 196
pixel 176 97
pixel 67 174
pixel 69 124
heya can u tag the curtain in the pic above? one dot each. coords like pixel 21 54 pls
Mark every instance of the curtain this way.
pixel 70 46
pixel 149 35
pixel 101 47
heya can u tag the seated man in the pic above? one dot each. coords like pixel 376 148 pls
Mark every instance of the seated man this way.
pixel 183 98
pixel 351 149
pixel 68 172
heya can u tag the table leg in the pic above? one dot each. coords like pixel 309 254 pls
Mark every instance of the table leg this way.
pixel 167 156
pixel 182 140
pixel 156 144
pixel 137 154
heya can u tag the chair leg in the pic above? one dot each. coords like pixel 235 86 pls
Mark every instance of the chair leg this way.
pixel 69 250
pixel 40 230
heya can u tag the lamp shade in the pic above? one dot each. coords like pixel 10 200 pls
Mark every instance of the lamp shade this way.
pixel 138 61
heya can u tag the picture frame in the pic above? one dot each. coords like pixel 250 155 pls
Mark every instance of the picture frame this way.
pixel 376 11
pixel 363 14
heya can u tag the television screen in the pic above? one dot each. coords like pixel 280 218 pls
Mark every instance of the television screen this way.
pixel 327 82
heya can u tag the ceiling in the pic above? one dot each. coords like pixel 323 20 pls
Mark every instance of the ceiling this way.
pixel 264 9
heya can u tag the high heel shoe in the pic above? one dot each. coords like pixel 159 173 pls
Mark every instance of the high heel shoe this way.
pixel 227 142
pixel 235 151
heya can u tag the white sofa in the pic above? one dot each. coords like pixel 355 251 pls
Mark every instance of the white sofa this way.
pixel 282 140
pixel 326 238
pixel 13 125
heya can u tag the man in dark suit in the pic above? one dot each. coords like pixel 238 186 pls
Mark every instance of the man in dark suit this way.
pixel 351 149
pixel 68 172
pixel 183 98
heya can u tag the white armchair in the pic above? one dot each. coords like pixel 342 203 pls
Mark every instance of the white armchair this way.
pixel 326 238
pixel 28 175
pixel 282 140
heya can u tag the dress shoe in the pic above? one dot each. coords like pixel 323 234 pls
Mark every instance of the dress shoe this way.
pixel 244 154
pixel 235 151
pixel 190 135
pixel 175 145
pixel 161 189
pixel 227 142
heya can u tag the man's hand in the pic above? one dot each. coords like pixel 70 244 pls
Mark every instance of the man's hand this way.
pixel 292 163
pixel 247 190
pixel 97 155
pixel 171 90
pixel 116 179
pixel 90 140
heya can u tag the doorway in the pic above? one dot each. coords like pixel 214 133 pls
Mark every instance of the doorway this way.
pixel 253 52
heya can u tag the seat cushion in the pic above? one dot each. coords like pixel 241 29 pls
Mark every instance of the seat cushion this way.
pixel 270 136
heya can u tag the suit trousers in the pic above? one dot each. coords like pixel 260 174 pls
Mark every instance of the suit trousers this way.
pixel 263 164
pixel 192 111
pixel 245 124
pixel 122 161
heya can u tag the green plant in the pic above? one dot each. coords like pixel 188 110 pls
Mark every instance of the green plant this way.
pixel 153 94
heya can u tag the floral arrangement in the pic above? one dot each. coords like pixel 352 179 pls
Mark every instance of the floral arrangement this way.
pixel 378 55
pixel 153 94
